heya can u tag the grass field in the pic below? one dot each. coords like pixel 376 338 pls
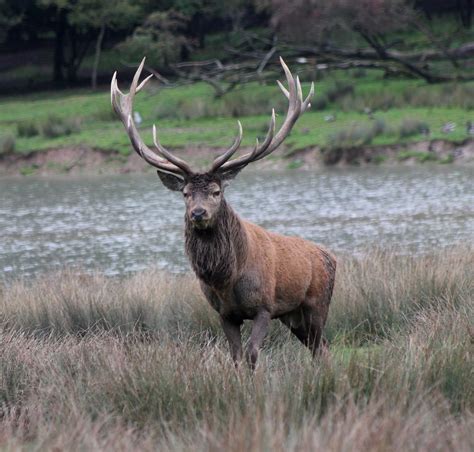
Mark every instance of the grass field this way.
pixel 97 363
pixel 400 110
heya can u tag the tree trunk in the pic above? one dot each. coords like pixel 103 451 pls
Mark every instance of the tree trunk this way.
pixel 59 46
pixel 465 11
pixel 71 60
pixel 98 49
pixel 79 45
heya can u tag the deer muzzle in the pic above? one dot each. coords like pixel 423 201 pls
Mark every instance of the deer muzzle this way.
pixel 199 218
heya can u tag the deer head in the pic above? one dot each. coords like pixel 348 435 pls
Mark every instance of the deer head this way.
pixel 203 191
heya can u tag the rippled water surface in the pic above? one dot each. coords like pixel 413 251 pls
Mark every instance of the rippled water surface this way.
pixel 125 223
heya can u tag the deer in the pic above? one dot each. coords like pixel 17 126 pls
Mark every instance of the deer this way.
pixel 245 271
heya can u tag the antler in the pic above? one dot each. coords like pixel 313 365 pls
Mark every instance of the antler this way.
pixel 123 106
pixel 296 107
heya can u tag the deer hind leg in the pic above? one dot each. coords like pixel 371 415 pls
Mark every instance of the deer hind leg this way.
pixel 307 325
pixel 314 327
pixel 316 305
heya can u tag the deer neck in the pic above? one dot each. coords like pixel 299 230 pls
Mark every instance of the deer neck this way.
pixel 217 254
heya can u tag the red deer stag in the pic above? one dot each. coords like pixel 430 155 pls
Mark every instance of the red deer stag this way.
pixel 245 271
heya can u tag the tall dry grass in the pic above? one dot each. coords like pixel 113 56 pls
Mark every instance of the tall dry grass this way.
pixel 97 363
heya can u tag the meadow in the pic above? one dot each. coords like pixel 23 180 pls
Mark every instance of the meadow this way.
pixel 350 109
pixel 97 363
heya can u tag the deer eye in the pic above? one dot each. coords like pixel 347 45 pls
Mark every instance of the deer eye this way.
pixel 216 193
pixel 186 195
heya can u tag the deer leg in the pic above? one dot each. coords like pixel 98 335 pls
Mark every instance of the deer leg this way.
pixel 314 326
pixel 260 328
pixel 314 337
pixel 311 337
pixel 308 331
pixel 232 333
pixel 296 322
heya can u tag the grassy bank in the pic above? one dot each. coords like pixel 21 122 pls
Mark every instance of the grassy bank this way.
pixel 102 364
pixel 350 110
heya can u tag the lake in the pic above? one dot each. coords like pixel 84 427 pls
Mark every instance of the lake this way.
pixel 125 223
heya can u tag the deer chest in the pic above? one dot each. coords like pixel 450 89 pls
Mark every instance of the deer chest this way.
pixel 242 300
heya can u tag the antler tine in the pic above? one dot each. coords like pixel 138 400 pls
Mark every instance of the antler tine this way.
pixel 290 80
pixel 123 104
pixel 299 90
pixel 219 161
pixel 123 107
pixel 180 163
pixel 136 77
pixel 296 107
pixel 285 91
pixel 250 156
pixel 271 131
pixel 307 101
pixel 142 84
pixel 295 110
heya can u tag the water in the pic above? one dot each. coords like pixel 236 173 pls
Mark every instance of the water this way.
pixel 122 224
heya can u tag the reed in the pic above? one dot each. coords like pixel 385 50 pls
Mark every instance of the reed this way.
pixel 97 363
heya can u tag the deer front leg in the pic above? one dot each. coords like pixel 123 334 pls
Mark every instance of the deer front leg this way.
pixel 232 333
pixel 260 328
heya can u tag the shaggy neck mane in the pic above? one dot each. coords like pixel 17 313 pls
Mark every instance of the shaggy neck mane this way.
pixel 216 253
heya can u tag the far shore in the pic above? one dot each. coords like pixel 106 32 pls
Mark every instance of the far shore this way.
pixel 87 160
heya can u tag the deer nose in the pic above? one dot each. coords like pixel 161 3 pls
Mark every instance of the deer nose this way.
pixel 198 213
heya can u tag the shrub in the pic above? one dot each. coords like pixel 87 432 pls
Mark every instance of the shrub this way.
pixel 359 73
pixel 7 144
pixel 234 104
pixel 241 103
pixel 339 89
pixel 373 101
pixel 383 101
pixel 27 129
pixel 105 115
pixel 446 160
pixel 449 95
pixel 54 127
pixel 411 127
pixel 28 170
pixel 167 110
pixel 379 159
pixel 356 135
pixel 320 102
pixel 195 109
pixel 295 164
pixel 379 127
pixel 420 156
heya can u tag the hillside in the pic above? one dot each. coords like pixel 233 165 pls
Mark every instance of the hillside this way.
pixel 351 110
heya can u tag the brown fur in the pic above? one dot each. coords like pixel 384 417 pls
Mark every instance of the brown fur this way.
pixel 216 253
pixel 247 272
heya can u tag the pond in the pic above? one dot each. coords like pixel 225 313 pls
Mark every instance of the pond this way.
pixel 125 223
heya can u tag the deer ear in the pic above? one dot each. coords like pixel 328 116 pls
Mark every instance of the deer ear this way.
pixel 171 182
pixel 229 175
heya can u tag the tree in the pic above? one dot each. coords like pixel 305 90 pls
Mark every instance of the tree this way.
pixel 319 21
pixel 161 38
pixel 75 22
pixel 234 11
pixel 8 18
pixel 462 8
pixel 327 25
pixel 101 15
pixel 70 44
